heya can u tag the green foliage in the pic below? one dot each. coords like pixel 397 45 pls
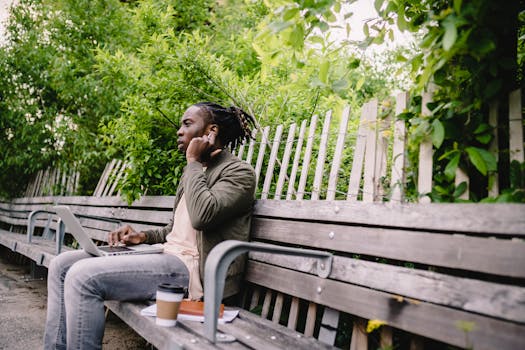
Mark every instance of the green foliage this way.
pixel 469 57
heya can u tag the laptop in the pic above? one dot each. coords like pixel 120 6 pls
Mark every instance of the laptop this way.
pixel 89 246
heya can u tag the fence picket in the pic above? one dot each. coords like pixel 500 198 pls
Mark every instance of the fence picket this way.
pixel 515 127
pixel 397 177
pixel 260 155
pixel 251 148
pixel 359 154
pixel 424 179
pixel 297 157
pixel 319 169
pixel 306 159
pixel 370 153
pixel 384 126
pixel 286 160
pixel 271 163
pixel 494 149
pixel 338 154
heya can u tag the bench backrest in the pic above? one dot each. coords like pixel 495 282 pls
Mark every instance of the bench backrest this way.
pixel 436 270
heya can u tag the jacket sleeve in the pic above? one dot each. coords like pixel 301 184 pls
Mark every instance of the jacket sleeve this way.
pixel 230 195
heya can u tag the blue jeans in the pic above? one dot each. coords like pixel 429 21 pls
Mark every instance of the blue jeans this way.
pixel 78 284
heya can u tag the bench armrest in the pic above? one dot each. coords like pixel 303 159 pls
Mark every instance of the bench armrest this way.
pixel 59 236
pixel 31 221
pixel 220 258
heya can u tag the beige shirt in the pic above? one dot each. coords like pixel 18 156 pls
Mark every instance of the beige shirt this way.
pixel 182 242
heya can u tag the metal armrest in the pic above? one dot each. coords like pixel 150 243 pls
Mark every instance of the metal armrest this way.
pixel 59 236
pixel 31 222
pixel 223 254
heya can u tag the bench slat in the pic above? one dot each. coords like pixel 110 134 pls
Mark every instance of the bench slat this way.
pixel 422 318
pixel 482 297
pixel 494 219
pixel 494 256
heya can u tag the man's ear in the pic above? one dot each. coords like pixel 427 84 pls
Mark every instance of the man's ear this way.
pixel 214 128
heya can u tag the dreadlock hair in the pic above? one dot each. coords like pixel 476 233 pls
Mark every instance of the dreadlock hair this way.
pixel 235 125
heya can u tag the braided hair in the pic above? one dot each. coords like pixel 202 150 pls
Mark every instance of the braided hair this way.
pixel 235 125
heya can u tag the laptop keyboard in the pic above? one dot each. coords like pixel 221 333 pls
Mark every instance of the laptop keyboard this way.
pixel 114 249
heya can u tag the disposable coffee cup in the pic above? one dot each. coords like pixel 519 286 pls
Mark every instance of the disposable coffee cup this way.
pixel 169 297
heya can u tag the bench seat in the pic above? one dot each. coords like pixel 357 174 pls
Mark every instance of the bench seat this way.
pixel 250 331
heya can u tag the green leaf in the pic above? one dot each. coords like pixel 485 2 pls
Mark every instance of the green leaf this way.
pixel 457 6
pixel 438 133
pixel 484 138
pixel 360 83
pixel 450 169
pixel 290 13
pixel 482 159
pixel 323 71
pixel 451 33
pixel 366 30
pixel 476 159
pixel 460 189
pixel 378 4
pixel 296 39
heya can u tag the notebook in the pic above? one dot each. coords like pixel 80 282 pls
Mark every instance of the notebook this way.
pixel 89 246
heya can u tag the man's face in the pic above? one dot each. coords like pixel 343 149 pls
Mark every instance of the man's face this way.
pixel 193 124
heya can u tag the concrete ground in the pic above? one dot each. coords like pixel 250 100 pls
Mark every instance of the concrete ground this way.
pixel 23 311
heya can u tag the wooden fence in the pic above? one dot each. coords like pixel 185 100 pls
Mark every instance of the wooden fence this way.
pixel 311 160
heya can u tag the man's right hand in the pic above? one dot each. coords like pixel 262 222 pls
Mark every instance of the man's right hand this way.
pixel 126 235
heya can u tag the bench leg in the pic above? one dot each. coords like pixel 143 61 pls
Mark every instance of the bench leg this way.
pixel 37 272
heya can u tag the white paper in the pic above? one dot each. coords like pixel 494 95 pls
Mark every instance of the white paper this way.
pixel 227 317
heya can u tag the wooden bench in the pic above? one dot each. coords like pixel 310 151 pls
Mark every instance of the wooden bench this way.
pixel 451 273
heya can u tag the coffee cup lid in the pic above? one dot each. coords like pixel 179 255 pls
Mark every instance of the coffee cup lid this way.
pixel 170 288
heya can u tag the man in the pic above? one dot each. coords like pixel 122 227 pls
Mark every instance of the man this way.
pixel 213 203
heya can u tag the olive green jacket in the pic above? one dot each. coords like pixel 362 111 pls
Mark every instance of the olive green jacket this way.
pixel 220 202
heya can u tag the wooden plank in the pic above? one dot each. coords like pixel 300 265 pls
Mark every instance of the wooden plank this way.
pixel 383 132
pixel 329 323
pixel 240 152
pixel 271 335
pixel 296 158
pixel 271 162
pixel 260 155
pixel 421 318
pixel 515 127
pixel 494 219
pixel 306 159
pixel 338 154
pixel 251 148
pixel 118 175
pixel 359 336
pixel 310 319
pixel 286 160
pixel 294 313
pixel 417 343
pixel 386 337
pixel 482 297
pixel 424 179
pixel 495 256
pixel 278 307
pixel 111 178
pixel 494 148
pixel 370 176
pixel 398 177
pixel 102 179
pixel 359 156
pixel 255 298
pixel 266 304
pixel 321 157
pixel 161 337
